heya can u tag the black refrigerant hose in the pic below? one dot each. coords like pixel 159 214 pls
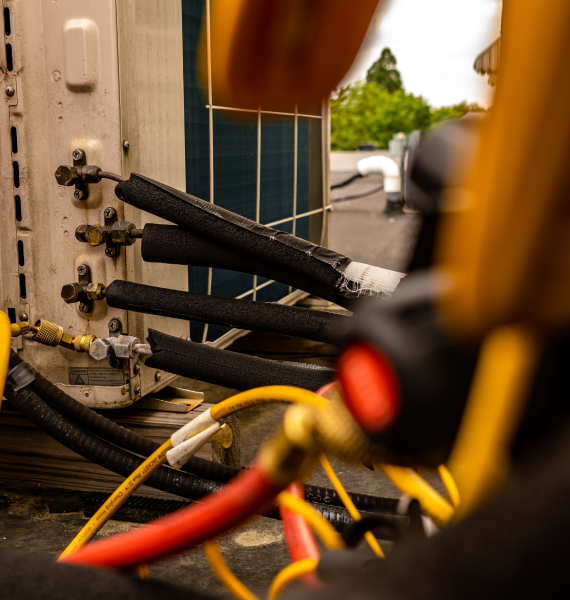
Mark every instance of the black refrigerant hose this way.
pixel 173 245
pixel 230 369
pixel 115 459
pixel 207 469
pixel 279 249
pixel 267 317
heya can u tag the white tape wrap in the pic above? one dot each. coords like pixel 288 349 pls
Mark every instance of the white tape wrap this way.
pixel 181 454
pixel 192 428
pixel 365 280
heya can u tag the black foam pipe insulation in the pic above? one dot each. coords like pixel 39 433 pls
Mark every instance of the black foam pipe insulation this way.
pixel 307 324
pixel 207 469
pixel 230 369
pixel 93 448
pixel 280 249
pixel 174 245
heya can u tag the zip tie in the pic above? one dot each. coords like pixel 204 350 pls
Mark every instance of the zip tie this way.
pixel 22 375
pixel 181 454
pixel 193 427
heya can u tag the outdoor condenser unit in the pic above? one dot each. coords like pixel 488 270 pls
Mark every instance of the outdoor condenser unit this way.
pixel 116 79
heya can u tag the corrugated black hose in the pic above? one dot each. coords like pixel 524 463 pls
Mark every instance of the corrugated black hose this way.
pixel 277 248
pixel 316 325
pixel 93 448
pixel 201 467
pixel 174 245
pixel 230 369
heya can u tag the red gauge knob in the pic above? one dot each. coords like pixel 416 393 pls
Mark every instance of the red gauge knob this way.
pixel 370 387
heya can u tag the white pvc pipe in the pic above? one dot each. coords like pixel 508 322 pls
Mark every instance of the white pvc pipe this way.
pixel 382 165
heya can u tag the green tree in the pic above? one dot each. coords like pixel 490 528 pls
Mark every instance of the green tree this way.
pixel 384 73
pixel 366 112
pixel 453 112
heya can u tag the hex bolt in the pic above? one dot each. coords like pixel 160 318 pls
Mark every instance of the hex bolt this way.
pixel 84 308
pixel 110 213
pixel 114 325
pixel 137 390
pixel 157 376
pixel 78 154
pixel 137 369
pixel 82 270
pixel 79 194
pixel 23 316
pixel 126 145
pixel 10 91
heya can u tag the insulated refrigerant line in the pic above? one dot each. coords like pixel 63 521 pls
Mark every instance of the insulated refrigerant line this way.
pixel 230 369
pixel 267 317
pixel 344 278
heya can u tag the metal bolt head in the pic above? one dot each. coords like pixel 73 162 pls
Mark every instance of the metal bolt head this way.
pixel 114 325
pixel 23 316
pixel 100 349
pixel 114 362
pixel 96 235
pixel 79 194
pixel 80 233
pixel 78 154
pixel 82 270
pixel 137 369
pixel 157 376
pixel 110 252
pixel 66 175
pixel 137 390
pixel 84 308
pixel 10 91
pixel 110 212
pixel 126 145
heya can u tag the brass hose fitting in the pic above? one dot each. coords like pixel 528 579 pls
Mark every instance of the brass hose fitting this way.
pixel 293 452
pixel 337 432
pixel 49 334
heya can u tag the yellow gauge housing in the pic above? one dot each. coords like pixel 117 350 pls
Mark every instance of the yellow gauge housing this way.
pixel 279 53
pixel 508 250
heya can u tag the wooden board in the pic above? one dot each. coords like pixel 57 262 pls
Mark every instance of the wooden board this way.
pixel 28 454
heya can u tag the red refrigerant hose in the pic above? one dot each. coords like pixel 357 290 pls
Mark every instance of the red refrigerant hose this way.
pixel 186 528
pixel 300 539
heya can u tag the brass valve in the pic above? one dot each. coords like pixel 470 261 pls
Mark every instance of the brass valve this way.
pixel 79 292
pixel 50 334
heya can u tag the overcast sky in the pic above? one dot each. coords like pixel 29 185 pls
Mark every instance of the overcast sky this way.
pixel 435 43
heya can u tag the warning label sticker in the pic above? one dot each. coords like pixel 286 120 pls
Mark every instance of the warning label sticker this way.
pixel 95 376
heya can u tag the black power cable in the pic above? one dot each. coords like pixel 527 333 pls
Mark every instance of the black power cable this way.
pixel 93 448
pixel 268 317
pixel 346 182
pixel 230 369
pixel 207 469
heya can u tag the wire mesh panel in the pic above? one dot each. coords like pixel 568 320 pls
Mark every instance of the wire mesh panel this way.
pixel 263 165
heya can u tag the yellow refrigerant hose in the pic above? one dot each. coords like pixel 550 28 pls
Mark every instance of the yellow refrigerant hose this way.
pixel 412 484
pixel 266 395
pixel 5 344
pixel 291 573
pixel 348 503
pixel 118 498
pixel 223 572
